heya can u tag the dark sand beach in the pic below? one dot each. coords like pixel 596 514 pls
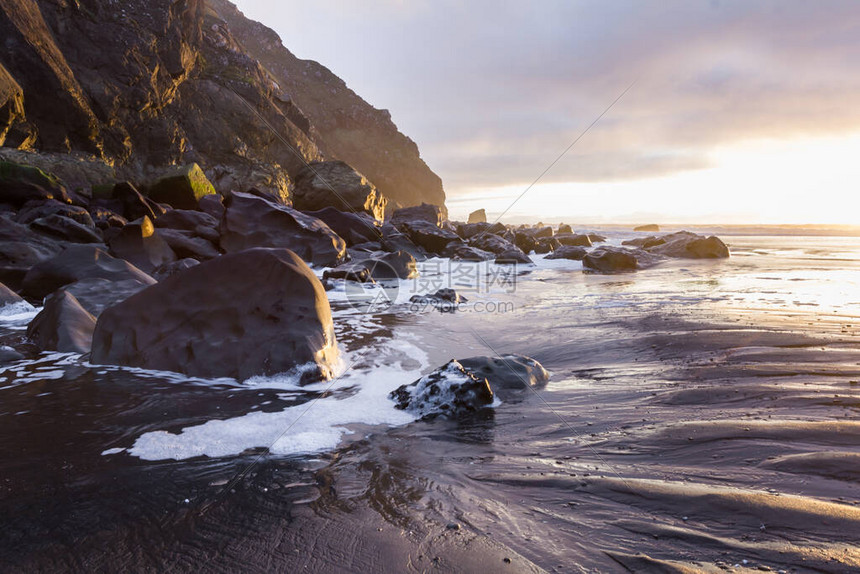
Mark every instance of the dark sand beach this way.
pixel 694 421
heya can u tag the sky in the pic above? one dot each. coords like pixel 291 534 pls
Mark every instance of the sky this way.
pixel 732 111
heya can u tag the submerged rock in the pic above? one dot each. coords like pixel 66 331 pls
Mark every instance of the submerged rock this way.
pixel 251 221
pixel 446 295
pixel 450 391
pixel 336 184
pixel 257 312
pixel 508 372
pixel 63 325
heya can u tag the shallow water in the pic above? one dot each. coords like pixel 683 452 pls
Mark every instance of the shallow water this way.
pixel 700 414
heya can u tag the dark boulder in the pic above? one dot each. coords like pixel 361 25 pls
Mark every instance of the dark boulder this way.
pixel 336 185
pixel 105 218
pixel 428 236
pixel 513 257
pixel 354 228
pixel 169 269
pixel 393 240
pixel 8 297
pixel 138 244
pixel 446 295
pixel 448 392
pixel 258 312
pixel 525 241
pixel 497 229
pixel 251 221
pixel 366 247
pixel 20 249
pixel 66 229
pixel 20 184
pixel 492 243
pixel 34 210
pixel 212 205
pixel 644 242
pixel 134 204
pixel 546 245
pixel 507 374
pixel 63 325
pixel 618 260
pixel 426 212
pixel 479 216
pixel 573 240
pixel 376 267
pixel 97 294
pixel 568 252
pixel 78 262
pixel 462 252
pixel 564 229
pixel 597 238
pixel 182 187
pixel 186 220
pixel 185 244
pixel 469 230
pixel 688 245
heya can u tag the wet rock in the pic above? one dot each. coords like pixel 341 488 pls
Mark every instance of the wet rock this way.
pixel 573 240
pixel 138 244
pixel 469 230
pixel 185 244
pixel 78 262
pixel 182 187
pixel 450 392
pixel 463 252
pixel 618 260
pixel 376 267
pixel 20 184
pixel 251 221
pixel 426 212
pixel 492 243
pixel 63 325
pixel 597 238
pixel 66 229
pixel 564 229
pixel 479 216
pixel 644 242
pixel 8 297
pixel 546 245
pixel 446 295
pixel 513 257
pixel 648 228
pixel 224 318
pixel 428 236
pixel 337 185
pixel 507 373
pixel 169 269
pixel 688 245
pixel 367 247
pixel 354 228
pixel 568 252
pixel 525 241
pixel 9 355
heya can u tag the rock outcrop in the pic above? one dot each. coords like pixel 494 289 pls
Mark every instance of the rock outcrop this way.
pixel 335 184
pixel 258 312
pixel 149 84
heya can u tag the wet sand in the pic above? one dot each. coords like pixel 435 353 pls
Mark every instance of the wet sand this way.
pixel 686 439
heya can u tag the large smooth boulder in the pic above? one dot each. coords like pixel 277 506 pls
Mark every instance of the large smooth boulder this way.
pixel 63 325
pixel 20 184
pixel 432 238
pixel 479 216
pixel 185 244
pixel 432 214
pixel 182 187
pixel 449 392
pixel 336 184
pixel 513 256
pixel 138 244
pixel 252 221
pixel 688 245
pixel 78 262
pixel 8 297
pixel 33 210
pixel 492 243
pixel 257 312
pixel 96 294
pixel 354 228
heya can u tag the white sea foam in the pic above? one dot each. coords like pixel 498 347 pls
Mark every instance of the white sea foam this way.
pixel 17 315
pixel 312 427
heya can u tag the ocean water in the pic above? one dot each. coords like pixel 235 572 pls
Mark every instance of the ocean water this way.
pixel 88 449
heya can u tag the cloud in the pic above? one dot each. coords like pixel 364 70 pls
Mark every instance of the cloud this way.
pixel 494 91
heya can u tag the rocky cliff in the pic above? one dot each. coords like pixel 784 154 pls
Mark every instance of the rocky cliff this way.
pixel 143 84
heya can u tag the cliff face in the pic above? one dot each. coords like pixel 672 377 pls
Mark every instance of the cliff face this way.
pixel 143 84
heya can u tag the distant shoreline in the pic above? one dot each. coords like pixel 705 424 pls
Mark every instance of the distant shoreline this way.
pixel 809 230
